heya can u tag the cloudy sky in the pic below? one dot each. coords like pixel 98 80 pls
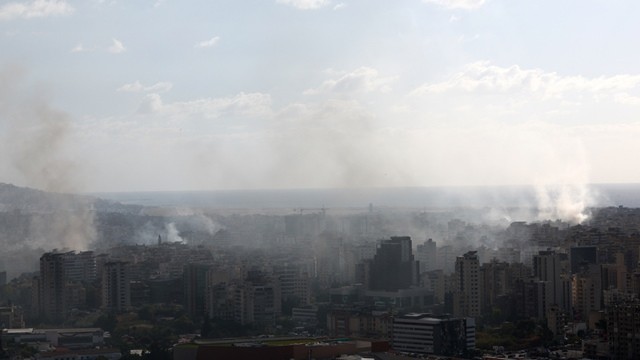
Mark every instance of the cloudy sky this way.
pixel 182 95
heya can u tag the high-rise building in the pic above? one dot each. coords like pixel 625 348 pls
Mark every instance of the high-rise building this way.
pixel 615 276
pixel 80 267
pixel 195 282
pixel 446 259
pixel 467 291
pixel 59 285
pixel 294 282
pixel 393 267
pixel 586 292
pixel 428 334
pixel 494 279
pixel 257 299
pixel 551 267
pixel 582 256
pixel 623 325
pixel 532 299
pixel 116 291
pixel 435 281
pixel 51 286
pixel 427 255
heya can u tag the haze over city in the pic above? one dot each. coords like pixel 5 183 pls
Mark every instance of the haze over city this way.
pixel 101 96
pixel 319 179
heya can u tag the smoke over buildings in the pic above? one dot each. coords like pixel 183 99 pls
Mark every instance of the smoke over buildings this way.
pixel 37 153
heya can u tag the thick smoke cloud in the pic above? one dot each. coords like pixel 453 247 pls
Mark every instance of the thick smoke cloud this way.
pixel 36 153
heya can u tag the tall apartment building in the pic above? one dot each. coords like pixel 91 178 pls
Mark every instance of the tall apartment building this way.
pixel 623 327
pixel 59 287
pixel 294 282
pixel 533 299
pixel 552 268
pixel 51 287
pixel 195 282
pixel 116 291
pixel 436 282
pixel 428 334
pixel 427 255
pixel 586 291
pixel 615 276
pixel 393 267
pixel 494 278
pixel 257 299
pixel 80 267
pixel 467 291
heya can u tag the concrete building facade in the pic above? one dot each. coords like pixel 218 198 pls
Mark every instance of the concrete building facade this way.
pixel 426 334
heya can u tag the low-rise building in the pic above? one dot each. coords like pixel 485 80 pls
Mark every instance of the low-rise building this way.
pixel 433 335
pixel 78 338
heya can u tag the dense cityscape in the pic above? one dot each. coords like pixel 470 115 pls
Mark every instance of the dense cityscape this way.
pixel 321 283
pixel 319 179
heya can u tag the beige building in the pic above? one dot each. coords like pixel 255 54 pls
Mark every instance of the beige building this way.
pixel 467 292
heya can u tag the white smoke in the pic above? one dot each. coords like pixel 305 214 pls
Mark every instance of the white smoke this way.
pixel 567 202
pixel 563 191
pixel 173 235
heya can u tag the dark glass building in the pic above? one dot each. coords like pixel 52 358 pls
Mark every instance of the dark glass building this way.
pixel 393 267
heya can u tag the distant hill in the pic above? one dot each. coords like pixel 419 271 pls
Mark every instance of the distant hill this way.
pixel 28 200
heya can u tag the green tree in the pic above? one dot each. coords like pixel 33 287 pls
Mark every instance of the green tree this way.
pixel 107 322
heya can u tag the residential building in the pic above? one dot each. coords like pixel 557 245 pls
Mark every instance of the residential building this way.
pixel 116 291
pixel 427 255
pixel 552 268
pixel 467 290
pixel 623 327
pixel 51 287
pixel 194 279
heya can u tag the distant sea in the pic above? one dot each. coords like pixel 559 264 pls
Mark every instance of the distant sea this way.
pixel 599 195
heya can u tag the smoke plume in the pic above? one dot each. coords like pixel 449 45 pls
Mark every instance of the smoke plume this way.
pixel 35 138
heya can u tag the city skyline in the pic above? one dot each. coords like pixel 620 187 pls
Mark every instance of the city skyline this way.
pixel 163 95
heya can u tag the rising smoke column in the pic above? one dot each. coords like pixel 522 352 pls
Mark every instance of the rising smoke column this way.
pixel 36 138
pixel 567 202
pixel 564 191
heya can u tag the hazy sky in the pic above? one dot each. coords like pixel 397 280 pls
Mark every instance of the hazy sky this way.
pixel 184 95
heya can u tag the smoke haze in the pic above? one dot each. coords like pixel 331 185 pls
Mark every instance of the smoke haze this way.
pixel 36 145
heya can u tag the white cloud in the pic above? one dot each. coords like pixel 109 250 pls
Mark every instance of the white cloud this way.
pixel 208 43
pixel 624 98
pixel 35 9
pixel 242 104
pixel 133 87
pixel 305 4
pixel 159 87
pixel 151 104
pixel 457 4
pixel 363 79
pixel 116 47
pixel 486 78
pixel 339 6
pixel 79 48
pixel 138 87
